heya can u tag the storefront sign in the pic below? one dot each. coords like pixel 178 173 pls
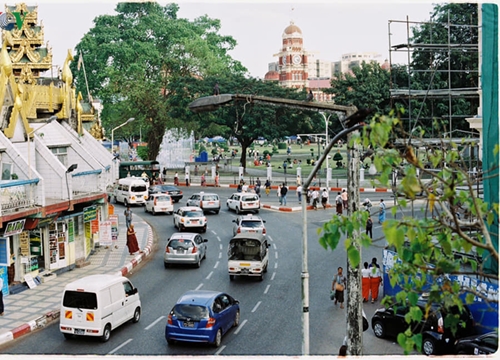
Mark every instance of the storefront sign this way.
pixel 88 239
pixel 114 227
pixel 47 221
pixel 71 230
pixel 89 213
pixel 105 233
pixel 24 243
pixel 4 252
pixel 14 227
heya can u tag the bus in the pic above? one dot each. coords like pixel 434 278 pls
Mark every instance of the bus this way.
pixel 136 168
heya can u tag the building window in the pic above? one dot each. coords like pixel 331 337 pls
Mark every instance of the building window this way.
pixel 62 154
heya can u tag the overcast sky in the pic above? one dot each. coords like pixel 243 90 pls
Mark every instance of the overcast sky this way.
pixel 329 28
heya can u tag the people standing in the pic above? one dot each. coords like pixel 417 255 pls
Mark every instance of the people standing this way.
pixel 244 187
pixel 344 199
pixel 217 179
pixel 176 178
pixel 132 244
pixel 268 187
pixel 324 198
pixel 298 180
pixel 339 203
pixel 369 227
pixel 375 280
pixel 258 184
pixel 338 285
pixel 128 216
pixel 203 179
pixel 284 190
pixel 381 214
pixel 278 192
pixel 309 196
pixel 186 177
pixel 299 193
pixel 164 174
pixel 365 282
pixel 315 199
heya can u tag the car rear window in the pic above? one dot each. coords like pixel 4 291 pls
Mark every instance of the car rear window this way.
pixel 251 224
pixel 210 197
pixel 139 188
pixel 80 300
pixel 193 214
pixel 180 244
pixel 163 198
pixel 193 312
pixel 250 198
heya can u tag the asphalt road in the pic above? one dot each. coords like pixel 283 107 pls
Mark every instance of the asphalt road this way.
pixel 271 316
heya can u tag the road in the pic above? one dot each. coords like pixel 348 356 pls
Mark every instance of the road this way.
pixel 271 316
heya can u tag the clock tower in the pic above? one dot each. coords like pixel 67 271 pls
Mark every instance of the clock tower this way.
pixel 292 59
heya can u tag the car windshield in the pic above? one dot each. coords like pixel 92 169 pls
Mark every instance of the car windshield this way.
pixel 250 198
pixel 210 197
pixel 251 224
pixel 193 312
pixel 180 244
pixel 192 214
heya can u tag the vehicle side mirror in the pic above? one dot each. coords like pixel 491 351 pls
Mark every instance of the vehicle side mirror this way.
pixel 205 240
pixel 234 220
pixel 263 221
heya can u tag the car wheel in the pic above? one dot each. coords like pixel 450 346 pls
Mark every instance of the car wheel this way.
pixel 170 342
pixel 198 264
pixel 175 225
pixel 261 277
pixel 218 338
pixel 428 346
pixel 166 265
pixel 378 329
pixel 116 201
pixel 231 277
pixel 125 202
pixel 137 315
pixel 204 230
pixel 106 334
pixel 236 319
pixel 216 212
pixel 257 211
pixel 153 212
pixel 145 209
pixel 205 255
pixel 265 269
pixel 237 210
pixel 68 336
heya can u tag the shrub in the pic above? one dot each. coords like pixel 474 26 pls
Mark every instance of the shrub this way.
pixel 282 146
pixel 338 157
pixel 142 152
pixel 275 150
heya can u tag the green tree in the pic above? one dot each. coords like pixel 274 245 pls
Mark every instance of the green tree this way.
pixel 135 58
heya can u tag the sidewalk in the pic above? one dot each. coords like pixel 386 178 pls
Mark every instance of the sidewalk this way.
pixel 32 309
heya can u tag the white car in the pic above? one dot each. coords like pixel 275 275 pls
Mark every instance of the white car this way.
pixel 190 218
pixel 206 201
pixel 242 202
pixel 159 203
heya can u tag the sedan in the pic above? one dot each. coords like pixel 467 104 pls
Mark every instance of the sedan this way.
pixel 190 217
pixel 206 201
pixel 202 316
pixel 171 190
pixel 159 203
pixel 185 248
pixel 478 344
pixel 240 202
pixel 249 223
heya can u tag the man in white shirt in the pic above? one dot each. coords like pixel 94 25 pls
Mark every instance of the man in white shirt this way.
pixel 315 198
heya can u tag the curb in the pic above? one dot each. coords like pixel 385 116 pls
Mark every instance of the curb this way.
pixel 46 319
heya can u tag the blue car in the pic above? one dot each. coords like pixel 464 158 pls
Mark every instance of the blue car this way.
pixel 202 316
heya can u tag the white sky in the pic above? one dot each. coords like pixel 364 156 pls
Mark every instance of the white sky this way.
pixel 329 28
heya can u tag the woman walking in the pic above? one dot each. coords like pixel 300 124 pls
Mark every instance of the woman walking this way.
pixel 381 214
pixel 365 282
pixel 369 227
pixel 132 244
pixel 267 185
pixel 375 280
pixel 338 285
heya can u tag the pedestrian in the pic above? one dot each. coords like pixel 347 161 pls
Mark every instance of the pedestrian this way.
pixel 176 178
pixel 367 204
pixel 309 196
pixel 217 179
pixel 186 177
pixel 339 203
pixel 343 350
pixel 369 226
pixel 284 190
pixel 375 279
pixel 365 282
pixel 128 216
pixel 164 174
pixel 324 198
pixel 381 214
pixel 268 187
pixel 257 188
pixel 196 170
pixel 315 198
pixel 2 308
pixel 132 244
pixel 298 180
pixel 244 187
pixel 278 192
pixel 338 285
pixel 344 199
pixel 299 193
pixel 203 179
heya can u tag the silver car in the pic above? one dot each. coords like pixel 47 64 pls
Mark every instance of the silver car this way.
pixel 185 248
pixel 206 201
pixel 249 224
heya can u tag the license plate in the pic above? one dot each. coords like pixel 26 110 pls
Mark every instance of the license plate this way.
pixel 250 204
pixel 163 209
pixel 180 251
pixel 244 271
pixel 194 221
pixel 211 203
pixel 252 230
pixel 244 264
pixel 188 324
pixel 79 331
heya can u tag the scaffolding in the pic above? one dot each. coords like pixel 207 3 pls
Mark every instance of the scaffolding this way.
pixel 440 55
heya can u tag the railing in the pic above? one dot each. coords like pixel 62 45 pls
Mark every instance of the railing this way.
pixel 16 194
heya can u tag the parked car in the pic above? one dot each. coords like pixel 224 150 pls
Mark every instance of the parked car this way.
pixel 190 217
pixel 478 344
pixel 159 203
pixel 185 248
pixel 242 202
pixel 171 190
pixel 249 223
pixel 202 316
pixel 436 336
pixel 206 201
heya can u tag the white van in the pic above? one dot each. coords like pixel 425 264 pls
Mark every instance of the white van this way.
pixel 97 304
pixel 132 190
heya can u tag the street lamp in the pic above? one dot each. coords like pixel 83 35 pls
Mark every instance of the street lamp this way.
pixel 326 142
pixel 113 132
pixel 70 169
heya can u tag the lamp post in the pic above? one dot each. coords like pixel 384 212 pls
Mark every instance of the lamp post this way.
pixel 113 132
pixel 326 142
pixel 70 169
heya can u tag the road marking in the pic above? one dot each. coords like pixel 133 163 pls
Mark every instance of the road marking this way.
pixel 220 255
pixel 256 306
pixel 274 274
pixel 154 323
pixel 267 289
pixel 275 265
pixel 209 275
pixel 239 327
pixel 213 232
pixel 220 350
pixel 119 347
pixel 199 286
pixel 274 246
pixel 276 255
pixel 220 246
pixel 218 239
pixel 270 238
pixel 216 264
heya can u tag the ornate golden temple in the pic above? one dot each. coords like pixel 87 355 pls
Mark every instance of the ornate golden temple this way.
pixel 28 96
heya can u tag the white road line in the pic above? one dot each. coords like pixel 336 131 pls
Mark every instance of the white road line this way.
pixel 274 246
pixel 239 327
pixel 213 232
pixel 276 265
pixel 119 347
pixel 220 246
pixel 270 238
pixel 209 275
pixel 216 264
pixel 218 239
pixel 274 274
pixel 276 255
pixel 220 350
pixel 199 286
pixel 154 323
pixel 267 289
pixel 256 306
pixel 220 255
